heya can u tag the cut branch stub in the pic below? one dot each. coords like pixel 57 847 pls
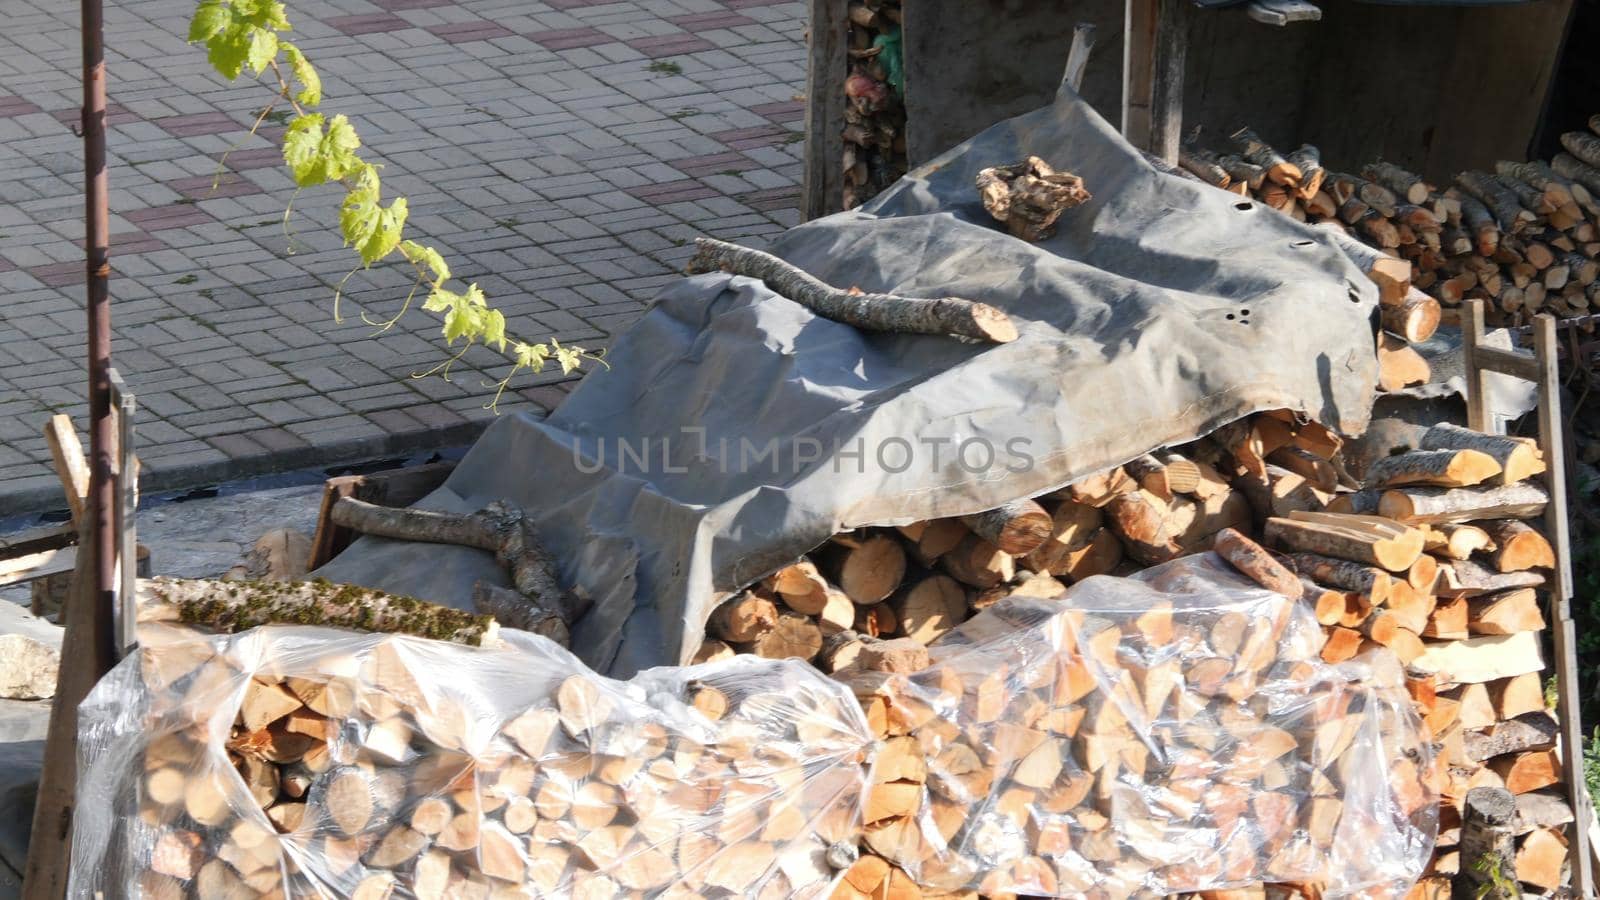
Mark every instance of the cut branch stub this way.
pixel 1029 196
pixel 868 312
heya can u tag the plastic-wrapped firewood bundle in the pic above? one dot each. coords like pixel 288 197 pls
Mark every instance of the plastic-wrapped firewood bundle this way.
pixel 289 762
pixel 1169 733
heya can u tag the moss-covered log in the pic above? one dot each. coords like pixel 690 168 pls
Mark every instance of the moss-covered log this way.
pixel 229 607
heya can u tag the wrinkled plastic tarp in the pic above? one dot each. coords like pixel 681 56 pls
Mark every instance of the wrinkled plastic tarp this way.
pixel 1173 732
pixel 735 430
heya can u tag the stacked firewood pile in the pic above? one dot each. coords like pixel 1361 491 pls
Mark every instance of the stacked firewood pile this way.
pixel 1525 237
pixel 1429 558
pixel 875 114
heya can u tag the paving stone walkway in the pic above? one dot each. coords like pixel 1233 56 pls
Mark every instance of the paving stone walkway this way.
pixel 562 153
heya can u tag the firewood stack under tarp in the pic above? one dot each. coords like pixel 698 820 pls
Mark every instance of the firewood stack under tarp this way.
pixel 875 113
pixel 1430 556
pixel 1525 236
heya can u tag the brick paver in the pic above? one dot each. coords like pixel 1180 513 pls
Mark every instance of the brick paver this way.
pixel 562 153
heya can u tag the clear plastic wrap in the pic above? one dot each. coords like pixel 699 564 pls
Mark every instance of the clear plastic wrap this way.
pixel 307 762
pixel 1140 737
pixel 1137 737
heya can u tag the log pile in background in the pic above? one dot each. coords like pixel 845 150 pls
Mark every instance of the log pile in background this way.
pixel 875 115
pixel 1524 237
pixel 1430 557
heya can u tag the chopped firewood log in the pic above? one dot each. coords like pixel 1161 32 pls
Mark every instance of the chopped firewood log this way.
pixel 1483 659
pixel 1443 468
pixel 1073 525
pixel 743 618
pixel 1028 197
pixel 232 606
pixel 1318 471
pixel 1017 528
pixel 1542 809
pixel 1519 458
pixel 1502 202
pixel 1518 546
pixel 867 569
pixel 931 540
pixel 513 610
pixel 802 587
pixel 1254 149
pixel 1203 164
pixel 1243 172
pixel 1099 490
pixel 1414 317
pixel 1396 179
pixel 1488 849
pixel 1399 365
pixel 1364 539
pixel 978 563
pixel 1253 560
pixel 1542 859
pixel 1308 159
pixel 1457 541
pixel 1507 612
pixel 1469 578
pixel 1585 147
pixel 1434 505
pixel 1370 581
pixel 931 607
pixel 1528 732
pixel 1151 529
pixel 1448 621
pixel 1524 772
pixel 1517 695
pixel 865 311
pixel 792 635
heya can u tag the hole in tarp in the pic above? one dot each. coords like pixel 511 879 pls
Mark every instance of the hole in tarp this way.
pixel 1302 243
pixel 1244 312
pixel 1245 205
pixel 1230 317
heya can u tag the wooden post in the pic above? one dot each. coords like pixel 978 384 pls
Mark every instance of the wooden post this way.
pixel 825 73
pixel 1078 56
pixel 1153 51
pixel 124 613
pixel 1542 370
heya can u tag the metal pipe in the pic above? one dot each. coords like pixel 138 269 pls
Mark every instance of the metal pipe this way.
pixel 97 240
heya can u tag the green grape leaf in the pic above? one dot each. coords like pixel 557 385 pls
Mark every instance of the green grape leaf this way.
pixel 339 149
pixel 302 150
pixel 385 234
pixel 229 49
pixel 263 49
pixel 269 14
pixel 531 356
pixel 475 296
pixel 461 321
pixel 310 93
pixel 429 257
pixel 569 357
pixel 210 17
pixel 494 329
pixel 439 300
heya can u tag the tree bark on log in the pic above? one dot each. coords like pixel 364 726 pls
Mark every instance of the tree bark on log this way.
pixel 1522 500
pixel 229 607
pixel 1518 458
pixel 1308 159
pixel 1439 468
pixel 868 312
pixel 498 528
pixel 1586 147
pixel 1488 868
pixel 1257 151
pixel 1507 209
pixel 1017 528
pixel 1253 560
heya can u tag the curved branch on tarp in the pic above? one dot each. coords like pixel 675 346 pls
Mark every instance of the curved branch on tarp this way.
pixel 868 312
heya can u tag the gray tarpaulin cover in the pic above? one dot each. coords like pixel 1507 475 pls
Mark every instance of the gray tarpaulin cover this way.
pixel 735 430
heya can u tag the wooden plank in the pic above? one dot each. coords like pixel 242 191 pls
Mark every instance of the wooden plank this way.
pixel 823 178
pixel 1138 68
pixel 1508 362
pixel 1166 89
pixel 38 564
pixel 1078 56
pixel 1477 377
pixel 66 454
pixel 1567 684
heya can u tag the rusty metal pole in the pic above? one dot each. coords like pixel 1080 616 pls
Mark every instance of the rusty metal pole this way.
pixel 97 240
pixel 88 647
